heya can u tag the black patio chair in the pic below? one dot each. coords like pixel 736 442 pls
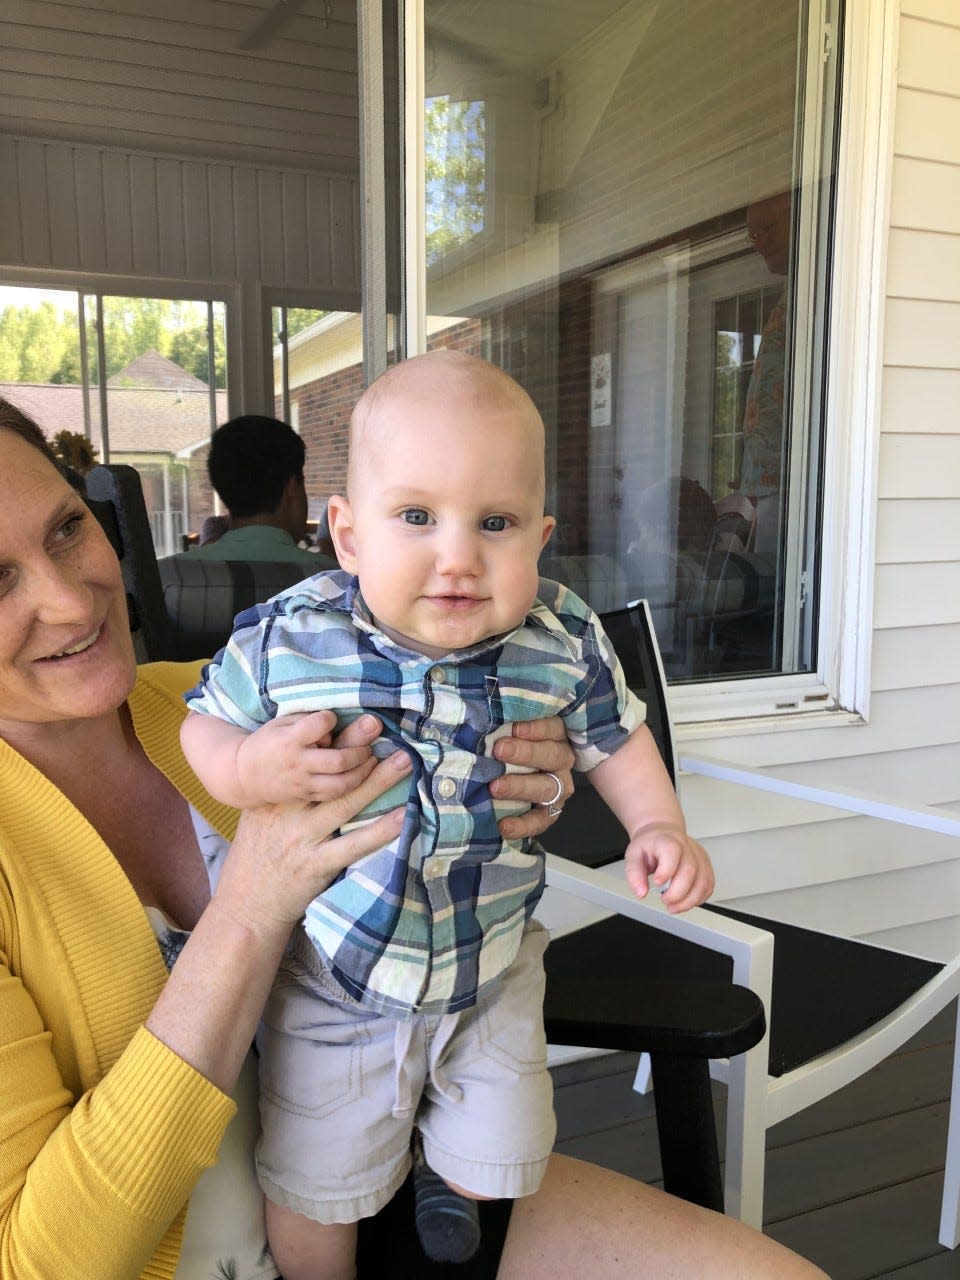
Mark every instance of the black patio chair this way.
pixel 836 1006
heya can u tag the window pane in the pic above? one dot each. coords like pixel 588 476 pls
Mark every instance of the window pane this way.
pixel 160 405
pixel 40 366
pixel 317 379
pixel 613 215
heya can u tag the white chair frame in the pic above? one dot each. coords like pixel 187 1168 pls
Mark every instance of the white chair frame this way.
pixel 756 1100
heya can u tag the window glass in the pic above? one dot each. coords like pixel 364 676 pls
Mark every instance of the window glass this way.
pixel 317 379
pixel 161 402
pixel 157 404
pixel 615 213
pixel 40 366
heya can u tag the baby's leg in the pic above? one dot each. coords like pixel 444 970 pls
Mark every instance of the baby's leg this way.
pixel 334 1147
pixel 308 1250
pixel 487 1114
pixel 447 1218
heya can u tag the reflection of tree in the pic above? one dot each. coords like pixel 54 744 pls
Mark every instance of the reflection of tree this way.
pixel 727 358
pixel 455 162
pixel 299 318
pixel 39 343
pixel 188 349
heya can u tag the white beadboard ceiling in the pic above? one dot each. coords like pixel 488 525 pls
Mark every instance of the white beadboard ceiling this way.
pixel 173 77
pixel 170 76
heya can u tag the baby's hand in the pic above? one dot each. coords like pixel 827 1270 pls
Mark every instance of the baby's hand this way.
pixel 292 758
pixel 674 859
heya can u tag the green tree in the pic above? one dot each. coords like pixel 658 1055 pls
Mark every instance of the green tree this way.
pixel 41 343
pixel 132 326
pixel 35 342
pixel 9 359
pixel 188 348
pixel 455 172
pixel 299 318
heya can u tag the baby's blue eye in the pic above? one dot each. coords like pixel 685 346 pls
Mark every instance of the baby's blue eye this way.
pixel 494 524
pixel 415 515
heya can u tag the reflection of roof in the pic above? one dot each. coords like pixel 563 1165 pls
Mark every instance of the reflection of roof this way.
pixel 143 419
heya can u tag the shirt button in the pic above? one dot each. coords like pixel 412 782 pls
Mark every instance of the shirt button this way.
pixel 432 871
pixel 438 675
pixel 446 787
pixel 431 735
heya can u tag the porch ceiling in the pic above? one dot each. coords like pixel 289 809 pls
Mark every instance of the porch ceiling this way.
pixel 171 76
pixel 174 77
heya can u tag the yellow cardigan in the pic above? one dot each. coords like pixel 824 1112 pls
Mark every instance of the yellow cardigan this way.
pixel 103 1129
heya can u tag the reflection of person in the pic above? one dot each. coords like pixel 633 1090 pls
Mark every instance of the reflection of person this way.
pixel 119 1081
pixel 449 636
pixel 768 225
pixel 255 465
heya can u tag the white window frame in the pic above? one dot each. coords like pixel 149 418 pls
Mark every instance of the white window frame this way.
pixel 838 692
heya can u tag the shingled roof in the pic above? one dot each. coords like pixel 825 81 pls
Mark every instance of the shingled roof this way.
pixel 154 406
pixel 154 370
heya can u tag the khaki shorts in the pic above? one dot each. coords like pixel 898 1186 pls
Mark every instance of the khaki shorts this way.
pixel 341 1089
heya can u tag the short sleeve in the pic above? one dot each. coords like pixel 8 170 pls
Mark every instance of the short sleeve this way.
pixel 601 720
pixel 233 686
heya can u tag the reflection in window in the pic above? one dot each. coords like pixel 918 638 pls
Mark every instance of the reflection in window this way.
pixel 642 222
pixel 455 163
pixel 317 379
pixel 739 325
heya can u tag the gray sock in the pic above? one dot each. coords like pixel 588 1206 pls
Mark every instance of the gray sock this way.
pixel 448 1224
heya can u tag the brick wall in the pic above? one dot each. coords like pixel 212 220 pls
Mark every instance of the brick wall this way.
pixel 323 415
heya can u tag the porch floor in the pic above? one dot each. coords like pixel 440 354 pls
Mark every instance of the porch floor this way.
pixel 852 1183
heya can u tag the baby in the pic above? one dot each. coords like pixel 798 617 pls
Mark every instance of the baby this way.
pixel 411 994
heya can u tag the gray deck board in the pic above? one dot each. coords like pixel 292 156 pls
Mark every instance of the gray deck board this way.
pixel 853 1182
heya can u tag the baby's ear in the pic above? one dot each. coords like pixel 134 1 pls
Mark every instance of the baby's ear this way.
pixel 340 518
pixel 549 524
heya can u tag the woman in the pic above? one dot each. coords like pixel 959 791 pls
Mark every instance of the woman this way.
pixel 117 1077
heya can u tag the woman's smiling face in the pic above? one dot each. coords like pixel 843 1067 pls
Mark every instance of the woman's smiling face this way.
pixel 65 647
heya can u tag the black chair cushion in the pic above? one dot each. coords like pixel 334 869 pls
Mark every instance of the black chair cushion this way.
pixel 825 989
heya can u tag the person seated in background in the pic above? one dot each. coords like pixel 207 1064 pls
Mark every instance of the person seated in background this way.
pixel 255 465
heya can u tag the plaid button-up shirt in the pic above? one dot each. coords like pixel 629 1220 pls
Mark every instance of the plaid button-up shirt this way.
pixel 423 924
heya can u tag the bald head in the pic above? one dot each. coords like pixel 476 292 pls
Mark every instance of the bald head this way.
pixel 443 520
pixel 462 388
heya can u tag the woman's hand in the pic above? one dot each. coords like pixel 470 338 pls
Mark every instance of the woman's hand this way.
pixel 281 858
pixel 540 745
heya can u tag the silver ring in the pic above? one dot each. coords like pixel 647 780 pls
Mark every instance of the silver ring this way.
pixel 551 805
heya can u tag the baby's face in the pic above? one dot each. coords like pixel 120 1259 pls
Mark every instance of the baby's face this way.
pixel 445 521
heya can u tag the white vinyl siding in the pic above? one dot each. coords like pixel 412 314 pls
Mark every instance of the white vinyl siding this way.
pixel 896 885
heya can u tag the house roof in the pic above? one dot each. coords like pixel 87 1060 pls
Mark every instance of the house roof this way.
pixel 151 369
pixel 143 419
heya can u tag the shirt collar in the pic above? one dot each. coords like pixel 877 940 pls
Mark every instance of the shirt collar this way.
pixel 350 601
